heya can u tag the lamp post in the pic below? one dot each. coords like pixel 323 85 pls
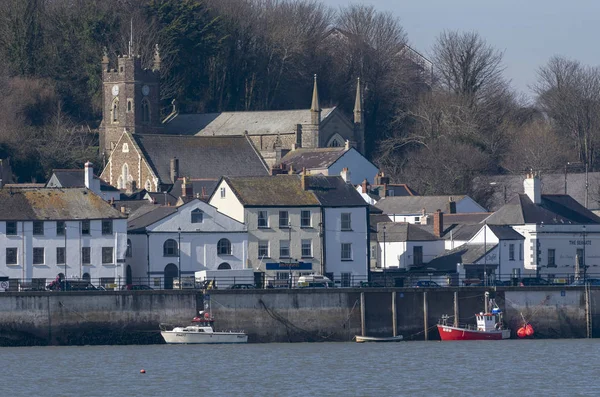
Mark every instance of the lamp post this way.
pixel 584 264
pixel 65 233
pixel 290 251
pixel 179 254
pixel 384 259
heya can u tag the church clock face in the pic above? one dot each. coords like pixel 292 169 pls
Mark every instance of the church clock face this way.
pixel 145 90
pixel 115 90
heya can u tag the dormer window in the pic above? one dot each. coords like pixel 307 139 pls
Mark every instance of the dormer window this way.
pixel 197 216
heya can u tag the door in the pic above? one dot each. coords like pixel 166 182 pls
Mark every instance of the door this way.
pixel 171 272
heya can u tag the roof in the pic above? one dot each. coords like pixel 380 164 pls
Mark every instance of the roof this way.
pixel 465 218
pixel 461 232
pixel 553 210
pixel 200 187
pixel 76 178
pixel 415 204
pixel 396 231
pixel 393 190
pixel 319 158
pixel 505 187
pixel 237 123
pixel 140 222
pixel 54 204
pixel 161 198
pixel 286 190
pixel 201 157
pixel 505 232
pixel 465 254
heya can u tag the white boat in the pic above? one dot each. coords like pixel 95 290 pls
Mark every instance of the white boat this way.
pixel 201 334
pixel 361 339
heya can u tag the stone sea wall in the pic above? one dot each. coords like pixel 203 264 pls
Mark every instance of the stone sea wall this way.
pixel 132 317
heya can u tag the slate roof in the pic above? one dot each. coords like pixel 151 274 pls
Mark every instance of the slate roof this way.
pixel 286 191
pixel 162 198
pixel 554 210
pixel 396 231
pixel 466 254
pixel 319 158
pixel 461 232
pixel 54 204
pixel 237 123
pixel 201 157
pixel 76 178
pixel 465 218
pixel 505 232
pixel 415 204
pixel 505 187
pixel 199 186
pixel 140 222
pixel 398 190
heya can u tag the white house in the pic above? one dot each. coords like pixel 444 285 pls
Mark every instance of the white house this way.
pixel 406 245
pixel 84 178
pixel 412 209
pixel 50 232
pixel 562 237
pixel 290 218
pixel 192 237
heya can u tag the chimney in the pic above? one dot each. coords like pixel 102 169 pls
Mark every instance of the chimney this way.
pixel 291 171
pixel 347 145
pixel 365 186
pixel 279 169
pixel 451 207
pixel 203 195
pixel 187 189
pixel 131 187
pixel 174 169
pixel 89 174
pixel 377 180
pixel 294 146
pixel 438 223
pixel 384 190
pixel 303 181
pixel 345 174
pixel 384 179
pixel 532 187
pixel 123 210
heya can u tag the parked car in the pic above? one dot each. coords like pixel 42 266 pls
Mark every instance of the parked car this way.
pixel 530 281
pixel 494 283
pixel 588 281
pixel 136 287
pixel 425 284
pixel 242 286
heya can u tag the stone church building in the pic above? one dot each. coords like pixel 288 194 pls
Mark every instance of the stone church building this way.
pixel 142 149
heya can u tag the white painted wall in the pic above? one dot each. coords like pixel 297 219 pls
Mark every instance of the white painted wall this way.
pixel 399 254
pixel 360 168
pixel 228 205
pixel 25 241
pixel 334 237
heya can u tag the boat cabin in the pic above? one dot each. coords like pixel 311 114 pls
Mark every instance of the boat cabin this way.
pixel 489 321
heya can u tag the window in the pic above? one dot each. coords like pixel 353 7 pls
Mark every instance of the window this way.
pixel 197 216
pixel 107 226
pixel 60 255
pixel 86 255
pixel 373 252
pixel 170 248
pixel 114 110
pixel 107 254
pixel 284 248
pixel 222 192
pixel 417 219
pixel 305 219
pixel 520 251
pixel 38 256
pixel 148 185
pixel 38 228
pixel 346 279
pixel 263 249
pixel 224 247
pixel 307 248
pixel 551 258
pixel 283 275
pixel 11 228
pixel 417 255
pixel 346 221
pixel 580 257
pixel 263 219
pixel 85 228
pixel 224 266
pixel 125 148
pixel 11 256
pixel 129 252
pixel 61 228
pixel 346 251
pixel 145 111
pixel 284 220
pixel 511 252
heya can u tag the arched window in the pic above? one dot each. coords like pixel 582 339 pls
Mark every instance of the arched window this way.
pixel 336 141
pixel 125 175
pixel 148 185
pixel 197 216
pixel 145 111
pixel 224 247
pixel 125 148
pixel 224 266
pixel 170 248
pixel 128 252
pixel 86 276
pixel 114 110
pixel 128 105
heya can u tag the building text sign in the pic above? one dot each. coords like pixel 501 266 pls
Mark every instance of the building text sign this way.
pixel 580 242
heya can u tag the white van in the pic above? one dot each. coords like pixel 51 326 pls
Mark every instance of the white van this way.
pixel 314 281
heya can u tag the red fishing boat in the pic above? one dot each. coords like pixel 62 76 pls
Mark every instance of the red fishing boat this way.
pixel 489 325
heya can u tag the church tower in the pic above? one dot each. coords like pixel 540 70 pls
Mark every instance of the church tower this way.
pixel 359 119
pixel 310 132
pixel 131 97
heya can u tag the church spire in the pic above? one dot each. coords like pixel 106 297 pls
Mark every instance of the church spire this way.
pixel 315 109
pixel 358 103
pixel 156 60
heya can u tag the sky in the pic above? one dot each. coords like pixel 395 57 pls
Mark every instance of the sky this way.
pixel 529 32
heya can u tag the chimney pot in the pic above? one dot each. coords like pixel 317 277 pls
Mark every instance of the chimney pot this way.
pixel 365 186
pixel 89 174
pixel 438 223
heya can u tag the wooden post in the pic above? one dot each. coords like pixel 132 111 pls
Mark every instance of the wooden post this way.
pixel 425 322
pixel 588 313
pixel 394 320
pixel 362 314
pixel 456 309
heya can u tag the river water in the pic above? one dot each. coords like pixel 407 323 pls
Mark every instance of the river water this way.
pixel 484 368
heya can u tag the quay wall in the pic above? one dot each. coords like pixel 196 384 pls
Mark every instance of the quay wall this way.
pixel 132 317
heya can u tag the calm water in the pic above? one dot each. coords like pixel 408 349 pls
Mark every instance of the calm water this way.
pixel 503 368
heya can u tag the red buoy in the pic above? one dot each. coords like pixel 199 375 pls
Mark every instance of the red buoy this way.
pixel 521 333
pixel 142 371
pixel 207 315
pixel 528 330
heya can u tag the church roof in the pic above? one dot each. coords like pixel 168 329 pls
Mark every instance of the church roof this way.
pixel 320 158
pixel 201 157
pixel 237 123
pixel 47 204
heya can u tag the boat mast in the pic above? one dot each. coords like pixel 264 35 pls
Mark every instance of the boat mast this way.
pixel 487 302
